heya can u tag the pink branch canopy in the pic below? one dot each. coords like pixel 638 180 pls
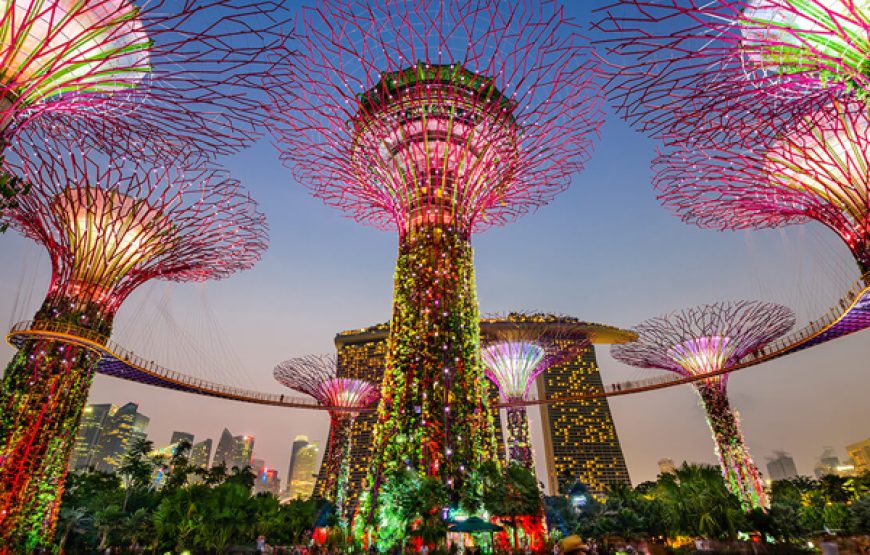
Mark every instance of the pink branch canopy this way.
pixel 468 112
pixel 705 339
pixel 315 375
pixel 731 70
pixel 516 350
pixel 817 169
pixel 118 73
pixel 109 226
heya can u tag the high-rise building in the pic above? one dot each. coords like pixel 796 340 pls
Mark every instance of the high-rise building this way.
pixel 303 468
pixel 200 454
pixel 178 436
pixel 580 437
pixel 257 467
pixel 781 467
pixel 860 455
pixel 122 428
pixel 90 431
pixel 234 451
pixel 268 481
pixel 667 466
pixel 580 440
pixel 298 443
pixel 827 463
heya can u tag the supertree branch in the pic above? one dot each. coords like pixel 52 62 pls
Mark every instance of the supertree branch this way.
pixel 515 352
pixel 517 349
pixel 108 227
pixel 189 71
pixel 730 70
pixel 475 111
pixel 816 170
pixel 111 226
pixel 315 375
pixel 703 340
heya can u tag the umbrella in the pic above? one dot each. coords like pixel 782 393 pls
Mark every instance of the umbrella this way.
pixel 474 524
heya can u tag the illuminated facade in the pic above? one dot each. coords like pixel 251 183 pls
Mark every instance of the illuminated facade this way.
pixel 362 352
pixel 580 439
pixel 88 436
pixel 200 454
pixel 303 468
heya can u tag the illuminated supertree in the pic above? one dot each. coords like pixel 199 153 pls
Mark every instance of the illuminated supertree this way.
pixel 705 340
pixel 816 170
pixel 515 353
pixel 315 375
pixel 119 74
pixel 107 228
pixel 732 69
pixel 436 119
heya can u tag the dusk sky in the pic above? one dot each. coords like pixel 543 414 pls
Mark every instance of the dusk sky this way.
pixel 604 251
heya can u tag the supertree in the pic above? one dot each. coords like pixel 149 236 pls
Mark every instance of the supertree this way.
pixel 816 170
pixel 315 375
pixel 733 70
pixel 437 119
pixel 119 74
pixel 108 227
pixel 516 351
pixel 705 340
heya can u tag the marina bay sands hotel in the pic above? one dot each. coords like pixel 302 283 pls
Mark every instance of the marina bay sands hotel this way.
pixel 580 440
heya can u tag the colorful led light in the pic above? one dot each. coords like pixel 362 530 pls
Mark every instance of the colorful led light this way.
pixel 436 120
pixel 704 340
pixel 315 375
pixel 108 228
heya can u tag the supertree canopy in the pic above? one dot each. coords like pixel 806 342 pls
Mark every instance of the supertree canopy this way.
pixel 436 118
pixel 705 340
pixel 315 375
pixel 107 228
pixel 515 353
pixel 186 71
pixel 815 170
pixel 732 69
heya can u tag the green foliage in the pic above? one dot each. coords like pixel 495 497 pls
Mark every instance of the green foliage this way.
pixel 10 188
pixel 184 515
pixel 411 506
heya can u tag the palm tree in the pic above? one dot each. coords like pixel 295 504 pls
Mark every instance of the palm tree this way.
pixel 136 468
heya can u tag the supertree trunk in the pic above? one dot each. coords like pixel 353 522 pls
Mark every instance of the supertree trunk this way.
pixel 433 414
pixel 738 469
pixel 43 393
pixel 519 443
pixel 338 450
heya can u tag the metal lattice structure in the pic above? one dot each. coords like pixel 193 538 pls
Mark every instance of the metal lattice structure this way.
pixel 816 170
pixel 316 375
pixel 699 341
pixel 505 93
pixel 437 119
pixel 732 70
pixel 108 227
pixel 514 354
pixel 119 74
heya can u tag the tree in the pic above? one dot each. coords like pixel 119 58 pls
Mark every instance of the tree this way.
pixel 72 520
pixel 511 494
pixel 860 515
pixel 136 468
pixel 695 502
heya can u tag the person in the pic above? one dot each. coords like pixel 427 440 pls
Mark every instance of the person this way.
pixel 424 549
pixel 261 543
pixel 573 545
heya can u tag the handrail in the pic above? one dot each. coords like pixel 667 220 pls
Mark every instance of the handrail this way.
pixel 113 351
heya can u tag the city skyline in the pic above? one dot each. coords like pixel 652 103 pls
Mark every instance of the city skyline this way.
pixel 597 243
